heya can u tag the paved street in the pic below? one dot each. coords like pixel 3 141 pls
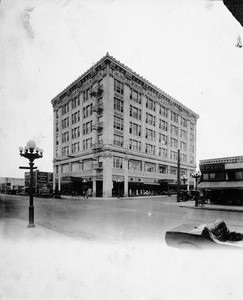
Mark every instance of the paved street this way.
pixel 110 249
pixel 134 219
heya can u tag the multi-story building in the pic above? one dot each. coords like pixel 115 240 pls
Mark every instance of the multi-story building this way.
pixel 114 130
pixel 222 179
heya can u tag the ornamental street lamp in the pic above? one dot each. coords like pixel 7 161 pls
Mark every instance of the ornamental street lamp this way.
pixel 196 175
pixel 84 188
pixel 184 180
pixel 118 188
pixel 31 152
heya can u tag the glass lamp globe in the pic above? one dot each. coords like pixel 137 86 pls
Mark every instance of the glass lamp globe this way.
pixel 31 144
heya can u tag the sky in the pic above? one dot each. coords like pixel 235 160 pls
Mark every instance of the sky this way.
pixel 185 47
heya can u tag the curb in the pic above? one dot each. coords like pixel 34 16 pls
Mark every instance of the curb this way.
pixel 213 208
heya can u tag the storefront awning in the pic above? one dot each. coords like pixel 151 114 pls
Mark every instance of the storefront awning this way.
pixel 221 185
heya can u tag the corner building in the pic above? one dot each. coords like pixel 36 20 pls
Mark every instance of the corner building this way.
pixel 115 133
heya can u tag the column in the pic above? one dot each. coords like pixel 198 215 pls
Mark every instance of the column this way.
pixel 126 176
pixel 107 174
pixel 94 188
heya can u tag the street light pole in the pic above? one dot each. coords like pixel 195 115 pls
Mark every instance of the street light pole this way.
pixel 184 180
pixel 196 175
pixel 31 152
pixel 118 188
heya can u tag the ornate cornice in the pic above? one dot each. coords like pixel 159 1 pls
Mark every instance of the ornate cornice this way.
pixel 128 76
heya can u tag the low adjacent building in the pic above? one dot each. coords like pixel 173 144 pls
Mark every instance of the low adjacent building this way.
pixel 11 184
pixel 222 179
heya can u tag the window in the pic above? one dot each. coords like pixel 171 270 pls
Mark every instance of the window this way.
pixel 183 146
pixel 150 149
pixel 163 169
pixel 87 111
pixel 135 165
pixel 173 155
pixel 205 176
pixel 65 168
pixel 150 134
pixel 75 166
pixel 150 104
pixel 192 126
pixel 65 123
pixel 87 144
pixel 183 157
pixel 192 148
pixel 118 140
pixel 75 132
pixel 65 150
pixel 75 117
pixel 135 145
pixel 162 152
pixel 135 129
pixel 183 122
pixel 174 130
pixel 86 95
pixel 87 127
pixel 191 137
pixel 75 102
pixel 118 105
pixel 150 119
pixel 163 125
pixel 135 112
pixel 163 111
pixel 65 137
pixel 135 96
pixel 183 134
pixel 118 86
pixel 75 147
pixel 149 167
pixel 174 143
pixel 65 108
pixel 117 162
pixel 191 159
pixel 173 171
pixel 163 139
pixel 118 123
pixel 174 117
pixel 234 175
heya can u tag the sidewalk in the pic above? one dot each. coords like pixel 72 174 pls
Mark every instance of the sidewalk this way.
pixel 191 204
pixel 17 231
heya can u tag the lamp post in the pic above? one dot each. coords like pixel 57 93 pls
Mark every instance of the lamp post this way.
pixel 84 188
pixel 184 180
pixel 196 175
pixel 118 188
pixel 31 152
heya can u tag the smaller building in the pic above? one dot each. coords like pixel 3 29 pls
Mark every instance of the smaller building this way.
pixel 10 184
pixel 222 180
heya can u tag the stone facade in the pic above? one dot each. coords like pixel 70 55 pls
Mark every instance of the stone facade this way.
pixel 116 132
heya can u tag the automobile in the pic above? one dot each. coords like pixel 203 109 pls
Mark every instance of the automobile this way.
pixel 203 236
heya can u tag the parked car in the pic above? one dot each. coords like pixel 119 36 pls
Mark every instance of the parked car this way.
pixel 203 236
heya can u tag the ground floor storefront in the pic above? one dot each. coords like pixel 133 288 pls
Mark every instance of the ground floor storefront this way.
pixel 72 185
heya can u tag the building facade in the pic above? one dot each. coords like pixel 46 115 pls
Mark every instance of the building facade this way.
pixel 116 133
pixel 8 184
pixel 222 179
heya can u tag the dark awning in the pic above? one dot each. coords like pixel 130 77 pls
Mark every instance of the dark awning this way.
pixel 221 185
